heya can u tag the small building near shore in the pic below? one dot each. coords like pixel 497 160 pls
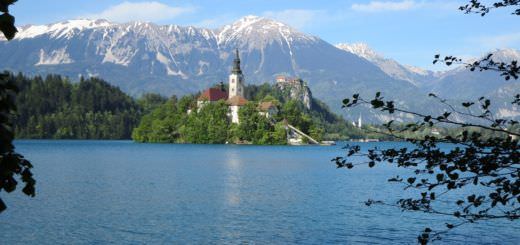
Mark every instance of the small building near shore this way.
pixel 212 95
pixel 268 109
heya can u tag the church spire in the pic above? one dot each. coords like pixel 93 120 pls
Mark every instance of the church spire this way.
pixel 236 64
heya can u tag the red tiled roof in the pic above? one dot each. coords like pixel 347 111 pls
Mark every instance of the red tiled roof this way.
pixel 213 94
pixel 265 106
pixel 237 101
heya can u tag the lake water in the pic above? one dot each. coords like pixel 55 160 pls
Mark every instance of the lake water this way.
pixel 98 192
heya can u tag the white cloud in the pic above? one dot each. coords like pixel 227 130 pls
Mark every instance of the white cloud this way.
pixel 379 6
pixel 298 18
pixel 403 5
pixel 499 41
pixel 143 11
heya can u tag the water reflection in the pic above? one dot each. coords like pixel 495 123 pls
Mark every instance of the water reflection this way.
pixel 196 194
pixel 233 179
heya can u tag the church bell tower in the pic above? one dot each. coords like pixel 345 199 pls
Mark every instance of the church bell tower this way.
pixel 236 79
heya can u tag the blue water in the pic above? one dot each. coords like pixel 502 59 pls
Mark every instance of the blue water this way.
pixel 98 192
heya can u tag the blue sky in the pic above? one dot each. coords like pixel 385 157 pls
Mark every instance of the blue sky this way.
pixel 410 31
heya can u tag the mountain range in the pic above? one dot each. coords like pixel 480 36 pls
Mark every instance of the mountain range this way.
pixel 142 57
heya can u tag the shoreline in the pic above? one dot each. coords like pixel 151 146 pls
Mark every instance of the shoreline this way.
pixel 335 143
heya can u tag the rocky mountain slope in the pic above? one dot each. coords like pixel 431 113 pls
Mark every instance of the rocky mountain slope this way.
pixel 415 75
pixel 144 57
pixel 458 84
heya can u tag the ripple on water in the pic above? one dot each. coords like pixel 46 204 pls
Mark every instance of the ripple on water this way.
pixel 119 192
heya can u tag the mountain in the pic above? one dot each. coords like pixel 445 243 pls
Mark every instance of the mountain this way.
pixel 459 84
pixel 415 75
pixel 464 84
pixel 142 57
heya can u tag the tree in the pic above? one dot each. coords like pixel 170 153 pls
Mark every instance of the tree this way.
pixel 7 26
pixel 209 125
pixel 253 127
pixel 486 152
pixel 476 6
pixel 12 164
pixel 150 101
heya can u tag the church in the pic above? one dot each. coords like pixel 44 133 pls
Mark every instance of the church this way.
pixel 234 97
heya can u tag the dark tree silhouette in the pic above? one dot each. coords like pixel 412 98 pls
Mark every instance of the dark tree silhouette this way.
pixel 485 155
pixel 476 6
pixel 6 20
pixel 12 164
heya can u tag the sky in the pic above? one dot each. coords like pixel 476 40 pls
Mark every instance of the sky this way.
pixel 409 31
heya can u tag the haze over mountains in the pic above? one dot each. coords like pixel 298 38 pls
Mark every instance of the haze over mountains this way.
pixel 143 57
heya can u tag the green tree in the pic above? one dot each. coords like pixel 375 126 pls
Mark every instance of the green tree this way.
pixel 485 154
pixel 150 101
pixel 209 125
pixel 12 164
pixel 55 108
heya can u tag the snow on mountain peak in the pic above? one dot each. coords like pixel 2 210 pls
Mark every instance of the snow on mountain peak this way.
pixel 418 70
pixel 257 31
pixel 360 49
pixel 414 75
pixel 505 55
pixel 60 29
pixel 249 19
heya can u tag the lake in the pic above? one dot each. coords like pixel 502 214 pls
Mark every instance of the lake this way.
pixel 98 192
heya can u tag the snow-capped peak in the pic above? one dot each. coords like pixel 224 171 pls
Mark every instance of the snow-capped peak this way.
pixel 505 55
pixel 360 49
pixel 249 20
pixel 412 74
pixel 258 30
pixel 418 70
pixel 60 29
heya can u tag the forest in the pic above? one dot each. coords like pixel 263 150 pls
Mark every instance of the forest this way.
pixel 56 108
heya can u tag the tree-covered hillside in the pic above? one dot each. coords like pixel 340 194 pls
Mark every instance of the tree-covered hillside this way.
pixel 171 122
pixel 54 108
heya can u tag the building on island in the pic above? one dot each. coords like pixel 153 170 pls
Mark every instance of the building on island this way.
pixel 212 95
pixel 296 88
pixel 236 79
pixel 234 97
pixel 234 104
pixel 268 109
pixel 236 90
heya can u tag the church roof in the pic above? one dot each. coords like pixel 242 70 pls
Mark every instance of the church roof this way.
pixel 265 106
pixel 237 100
pixel 213 94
